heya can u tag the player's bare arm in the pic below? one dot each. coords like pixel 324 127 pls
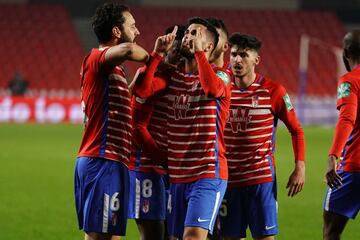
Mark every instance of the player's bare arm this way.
pixel 331 177
pixel 126 51
pixel 297 179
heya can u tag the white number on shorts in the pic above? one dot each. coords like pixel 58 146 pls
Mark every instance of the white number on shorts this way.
pixel 169 204
pixel 114 202
pixel 223 209
pixel 147 188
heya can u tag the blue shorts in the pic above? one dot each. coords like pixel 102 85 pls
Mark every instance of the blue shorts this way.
pixel 254 206
pixel 194 204
pixel 344 200
pixel 101 195
pixel 147 199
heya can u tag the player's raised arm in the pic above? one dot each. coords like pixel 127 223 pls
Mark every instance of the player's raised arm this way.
pixel 284 110
pixel 213 84
pixel 126 51
pixel 150 84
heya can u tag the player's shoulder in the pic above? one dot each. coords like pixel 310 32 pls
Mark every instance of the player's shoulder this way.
pixel 270 84
pixel 352 77
pixel 223 73
pixel 96 55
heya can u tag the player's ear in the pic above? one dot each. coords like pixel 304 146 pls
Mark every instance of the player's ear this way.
pixel 257 60
pixel 226 47
pixel 116 32
pixel 209 47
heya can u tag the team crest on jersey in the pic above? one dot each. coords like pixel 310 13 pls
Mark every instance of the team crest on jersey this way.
pixel 255 101
pixel 239 119
pixel 146 206
pixel 343 90
pixel 223 76
pixel 181 106
pixel 195 85
pixel 288 103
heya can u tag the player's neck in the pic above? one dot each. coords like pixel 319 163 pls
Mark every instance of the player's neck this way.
pixel 245 81
pixel 110 43
pixel 219 62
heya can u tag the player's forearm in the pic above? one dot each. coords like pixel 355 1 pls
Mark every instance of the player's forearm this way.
pixel 343 129
pixel 126 51
pixel 212 85
pixel 138 54
pixel 298 143
pixel 146 142
pixel 150 84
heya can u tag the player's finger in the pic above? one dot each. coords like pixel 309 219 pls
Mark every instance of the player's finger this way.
pixel 288 184
pixel 174 31
pixel 295 190
pixel 291 189
pixel 333 182
pixel 335 179
pixel 298 189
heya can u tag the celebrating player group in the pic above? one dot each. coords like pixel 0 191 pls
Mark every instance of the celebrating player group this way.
pixel 186 147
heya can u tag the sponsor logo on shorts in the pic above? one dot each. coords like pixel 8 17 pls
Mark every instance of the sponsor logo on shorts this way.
pixel 146 206
pixel 203 220
pixel 271 227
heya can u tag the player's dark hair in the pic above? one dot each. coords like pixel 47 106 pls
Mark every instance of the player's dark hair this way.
pixel 180 32
pixel 244 41
pixel 211 29
pixel 218 23
pixel 351 45
pixel 106 17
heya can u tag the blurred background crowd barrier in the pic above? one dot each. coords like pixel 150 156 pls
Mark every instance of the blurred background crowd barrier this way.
pixel 43 43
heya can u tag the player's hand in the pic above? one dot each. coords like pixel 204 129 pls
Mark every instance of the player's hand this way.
pixel 163 43
pixel 297 179
pixel 195 42
pixel 332 179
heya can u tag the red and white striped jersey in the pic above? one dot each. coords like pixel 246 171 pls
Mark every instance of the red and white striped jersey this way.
pixel 197 109
pixel 250 131
pixel 149 115
pixel 195 131
pixel 105 100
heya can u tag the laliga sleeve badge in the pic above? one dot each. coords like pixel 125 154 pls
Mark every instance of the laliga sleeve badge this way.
pixel 223 76
pixel 288 103
pixel 343 90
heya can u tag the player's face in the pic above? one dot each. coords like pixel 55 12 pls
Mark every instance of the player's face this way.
pixel 243 61
pixel 221 47
pixel 173 56
pixel 187 41
pixel 129 32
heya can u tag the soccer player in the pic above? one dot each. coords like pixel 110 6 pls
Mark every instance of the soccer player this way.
pixel 217 56
pixel 257 103
pixel 198 101
pixel 342 200
pixel 101 172
pixel 149 180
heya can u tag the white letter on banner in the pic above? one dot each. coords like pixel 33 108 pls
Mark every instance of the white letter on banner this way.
pixel 21 112
pixel 5 109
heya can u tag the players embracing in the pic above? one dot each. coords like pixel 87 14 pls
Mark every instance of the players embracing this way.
pixel 198 102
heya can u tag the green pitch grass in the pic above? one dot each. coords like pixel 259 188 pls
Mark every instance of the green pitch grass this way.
pixel 36 184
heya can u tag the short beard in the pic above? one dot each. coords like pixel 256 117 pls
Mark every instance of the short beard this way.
pixel 186 53
pixel 346 63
